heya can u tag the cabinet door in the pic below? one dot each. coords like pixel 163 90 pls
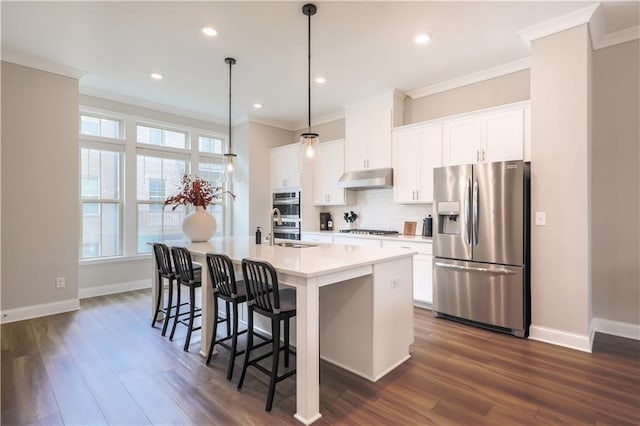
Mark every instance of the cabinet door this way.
pixel 379 148
pixel 405 161
pixel 356 136
pixel 333 163
pixel 277 173
pixel 422 279
pixel 462 142
pixel 319 160
pixel 503 136
pixel 292 159
pixel 429 158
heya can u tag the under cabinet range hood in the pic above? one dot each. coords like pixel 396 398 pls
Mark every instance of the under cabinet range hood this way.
pixel 367 179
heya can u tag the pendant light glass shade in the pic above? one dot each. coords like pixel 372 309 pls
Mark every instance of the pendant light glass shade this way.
pixel 229 155
pixel 309 138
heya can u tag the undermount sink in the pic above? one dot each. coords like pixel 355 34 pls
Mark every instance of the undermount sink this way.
pixel 294 245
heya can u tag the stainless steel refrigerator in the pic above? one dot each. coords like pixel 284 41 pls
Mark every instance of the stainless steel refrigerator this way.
pixel 481 245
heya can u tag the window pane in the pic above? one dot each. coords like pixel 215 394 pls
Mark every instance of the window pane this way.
pixel 155 173
pixel 89 125
pixel 100 229
pixel 175 139
pixel 155 136
pixel 213 172
pixel 109 128
pixel 100 174
pixel 210 145
pixel 217 212
pixel 156 224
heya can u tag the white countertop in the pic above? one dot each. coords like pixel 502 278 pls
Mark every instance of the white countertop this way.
pixel 305 262
pixel 398 237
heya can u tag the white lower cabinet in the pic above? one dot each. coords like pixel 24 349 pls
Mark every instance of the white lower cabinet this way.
pixel 422 270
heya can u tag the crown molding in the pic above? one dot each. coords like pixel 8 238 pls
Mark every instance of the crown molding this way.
pixel 500 70
pixel 561 23
pixel 90 91
pixel 618 37
pixel 322 120
pixel 19 58
pixel 285 125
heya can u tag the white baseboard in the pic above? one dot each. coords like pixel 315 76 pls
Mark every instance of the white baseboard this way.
pixel 615 328
pixel 580 342
pixel 35 311
pixel 103 290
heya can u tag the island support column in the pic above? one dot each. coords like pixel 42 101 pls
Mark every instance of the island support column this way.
pixel 307 350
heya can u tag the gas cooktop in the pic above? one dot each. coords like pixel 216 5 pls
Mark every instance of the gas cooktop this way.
pixel 368 232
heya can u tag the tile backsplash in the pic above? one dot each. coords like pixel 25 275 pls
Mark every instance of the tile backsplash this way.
pixel 376 210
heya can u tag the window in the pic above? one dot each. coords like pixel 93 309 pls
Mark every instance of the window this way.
pixel 161 137
pixel 158 178
pixel 210 145
pixel 100 198
pixel 96 126
pixel 126 177
pixel 214 173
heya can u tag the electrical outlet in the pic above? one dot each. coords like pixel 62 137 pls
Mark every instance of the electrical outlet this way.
pixel 541 219
pixel 60 282
pixel 395 284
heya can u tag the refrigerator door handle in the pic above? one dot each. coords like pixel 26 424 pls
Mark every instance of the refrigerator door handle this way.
pixel 475 212
pixel 474 269
pixel 467 211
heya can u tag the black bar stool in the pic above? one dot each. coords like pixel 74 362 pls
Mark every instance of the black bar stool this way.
pixel 191 278
pixel 232 292
pixel 165 270
pixel 265 298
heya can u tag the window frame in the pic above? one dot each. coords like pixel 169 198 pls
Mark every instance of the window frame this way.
pixel 129 147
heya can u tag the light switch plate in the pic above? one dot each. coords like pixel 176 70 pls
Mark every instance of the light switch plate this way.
pixel 541 218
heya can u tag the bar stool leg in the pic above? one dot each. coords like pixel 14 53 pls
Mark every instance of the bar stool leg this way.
pixel 175 318
pixel 192 309
pixel 227 310
pixel 214 331
pixel 167 315
pixel 158 297
pixel 286 342
pixel 247 351
pixel 234 342
pixel 275 333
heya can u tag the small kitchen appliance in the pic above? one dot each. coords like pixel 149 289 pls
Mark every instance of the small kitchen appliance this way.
pixel 326 223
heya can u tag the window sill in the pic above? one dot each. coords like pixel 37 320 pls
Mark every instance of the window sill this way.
pixel 114 259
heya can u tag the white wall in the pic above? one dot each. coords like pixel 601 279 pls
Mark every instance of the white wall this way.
pixel 40 206
pixel 616 184
pixel 560 184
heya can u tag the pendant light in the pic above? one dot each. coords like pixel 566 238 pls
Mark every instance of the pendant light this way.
pixel 309 138
pixel 230 156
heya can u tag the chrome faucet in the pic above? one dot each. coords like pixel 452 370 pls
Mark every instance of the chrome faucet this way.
pixel 274 212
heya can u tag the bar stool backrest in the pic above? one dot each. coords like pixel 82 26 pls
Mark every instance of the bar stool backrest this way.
pixel 183 263
pixel 222 275
pixel 163 258
pixel 261 281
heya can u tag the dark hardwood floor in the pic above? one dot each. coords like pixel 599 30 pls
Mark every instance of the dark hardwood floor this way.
pixel 104 365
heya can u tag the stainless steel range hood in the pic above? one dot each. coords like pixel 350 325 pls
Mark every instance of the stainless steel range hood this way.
pixel 367 179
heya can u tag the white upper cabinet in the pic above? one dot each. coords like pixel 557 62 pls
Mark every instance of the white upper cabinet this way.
pixel 328 166
pixel 417 150
pixel 286 165
pixel 368 127
pixel 498 135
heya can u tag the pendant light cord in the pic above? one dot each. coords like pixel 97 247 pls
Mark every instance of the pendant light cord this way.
pixel 309 73
pixel 230 64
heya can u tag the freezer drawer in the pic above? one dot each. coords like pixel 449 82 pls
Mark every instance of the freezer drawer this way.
pixel 485 293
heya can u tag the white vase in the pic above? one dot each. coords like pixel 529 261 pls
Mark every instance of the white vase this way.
pixel 199 226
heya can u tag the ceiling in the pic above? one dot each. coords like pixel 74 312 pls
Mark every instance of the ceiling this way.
pixel 361 48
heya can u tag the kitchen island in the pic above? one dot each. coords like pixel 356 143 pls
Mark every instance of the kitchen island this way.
pixel 357 301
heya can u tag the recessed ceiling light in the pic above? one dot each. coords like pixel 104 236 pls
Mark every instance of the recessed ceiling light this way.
pixel 320 80
pixel 422 38
pixel 156 76
pixel 257 106
pixel 209 31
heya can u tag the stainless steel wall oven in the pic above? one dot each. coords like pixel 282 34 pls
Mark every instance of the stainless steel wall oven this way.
pixel 289 205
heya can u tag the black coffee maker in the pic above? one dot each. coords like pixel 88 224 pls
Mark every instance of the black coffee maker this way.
pixel 326 223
